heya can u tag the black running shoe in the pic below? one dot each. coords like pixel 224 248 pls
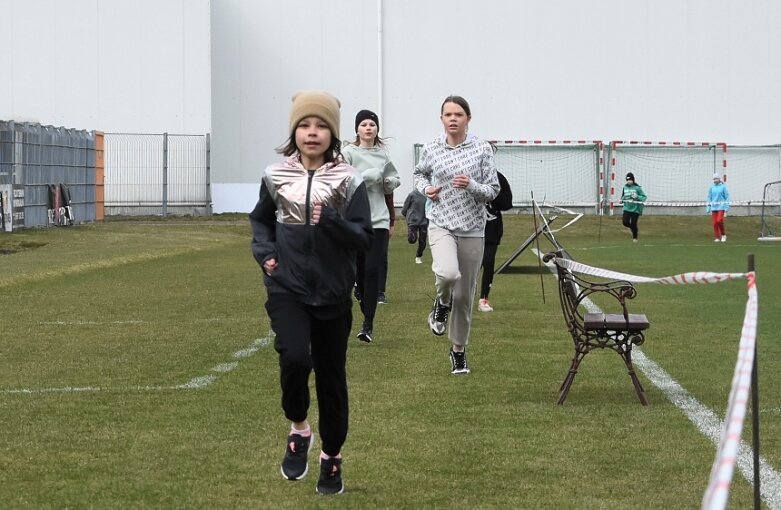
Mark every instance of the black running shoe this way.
pixel 330 481
pixel 458 362
pixel 365 334
pixel 381 299
pixel 437 319
pixel 295 464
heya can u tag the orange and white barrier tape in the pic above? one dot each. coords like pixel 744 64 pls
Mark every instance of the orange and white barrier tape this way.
pixel 717 493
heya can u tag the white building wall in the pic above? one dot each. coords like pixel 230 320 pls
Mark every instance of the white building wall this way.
pixel 699 70
pixel 110 65
pixel 667 70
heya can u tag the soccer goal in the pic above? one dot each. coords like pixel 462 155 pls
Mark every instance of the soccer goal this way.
pixel 566 174
pixel 673 174
pixel 771 212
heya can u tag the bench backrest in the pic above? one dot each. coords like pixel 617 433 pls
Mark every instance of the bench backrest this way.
pixel 573 290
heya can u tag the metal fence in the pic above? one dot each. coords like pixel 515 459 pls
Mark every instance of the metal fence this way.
pixel 157 174
pixel 36 159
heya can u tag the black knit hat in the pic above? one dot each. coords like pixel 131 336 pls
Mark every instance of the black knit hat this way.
pixel 629 176
pixel 366 114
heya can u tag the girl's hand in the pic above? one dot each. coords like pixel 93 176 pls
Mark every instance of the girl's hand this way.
pixel 269 266
pixel 432 192
pixel 317 211
pixel 460 181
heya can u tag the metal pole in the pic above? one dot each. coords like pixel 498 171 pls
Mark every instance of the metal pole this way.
pixel 755 410
pixel 209 204
pixel 165 174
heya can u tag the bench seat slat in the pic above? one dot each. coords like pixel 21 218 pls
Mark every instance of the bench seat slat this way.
pixel 615 321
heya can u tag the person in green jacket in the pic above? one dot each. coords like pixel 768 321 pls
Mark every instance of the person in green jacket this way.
pixel 632 196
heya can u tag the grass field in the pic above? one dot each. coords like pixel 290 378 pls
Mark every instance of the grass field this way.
pixel 137 372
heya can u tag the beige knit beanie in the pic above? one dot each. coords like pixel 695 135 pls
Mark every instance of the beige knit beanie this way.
pixel 318 103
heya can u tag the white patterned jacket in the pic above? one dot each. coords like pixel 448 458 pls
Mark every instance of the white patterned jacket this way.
pixel 459 209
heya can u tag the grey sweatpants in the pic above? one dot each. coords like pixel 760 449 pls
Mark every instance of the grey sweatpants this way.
pixel 456 266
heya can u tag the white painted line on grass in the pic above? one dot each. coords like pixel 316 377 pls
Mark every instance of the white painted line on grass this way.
pixel 194 383
pixel 225 367
pixel 87 323
pixel 131 321
pixel 706 421
pixel 66 389
pixel 198 382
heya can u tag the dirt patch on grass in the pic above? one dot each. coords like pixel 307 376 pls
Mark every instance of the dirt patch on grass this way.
pixel 10 247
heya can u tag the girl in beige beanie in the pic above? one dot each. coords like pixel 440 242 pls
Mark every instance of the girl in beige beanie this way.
pixel 311 220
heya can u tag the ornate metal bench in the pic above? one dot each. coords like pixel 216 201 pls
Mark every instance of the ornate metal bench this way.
pixel 597 330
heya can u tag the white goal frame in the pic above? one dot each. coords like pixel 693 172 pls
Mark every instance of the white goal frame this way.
pixel 771 207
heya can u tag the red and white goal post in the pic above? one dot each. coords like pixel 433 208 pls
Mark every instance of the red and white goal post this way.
pixel 569 174
pixel 672 174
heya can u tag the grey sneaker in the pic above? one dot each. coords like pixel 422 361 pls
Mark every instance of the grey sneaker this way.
pixel 295 464
pixel 458 362
pixel 330 481
pixel 437 319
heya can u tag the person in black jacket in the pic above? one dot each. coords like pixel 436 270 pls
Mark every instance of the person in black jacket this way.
pixel 494 229
pixel 311 219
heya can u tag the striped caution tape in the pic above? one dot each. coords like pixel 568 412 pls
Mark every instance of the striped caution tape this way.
pixel 717 493
pixel 679 279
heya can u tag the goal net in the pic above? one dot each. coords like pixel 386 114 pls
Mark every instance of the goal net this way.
pixel 567 174
pixel 564 174
pixel 771 212
pixel 672 174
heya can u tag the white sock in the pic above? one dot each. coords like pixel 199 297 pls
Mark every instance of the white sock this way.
pixel 303 433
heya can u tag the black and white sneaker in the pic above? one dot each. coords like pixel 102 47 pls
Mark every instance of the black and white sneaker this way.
pixel 295 464
pixel 330 481
pixel 381 299
pixel 365 334
pixel 458 362
pixel 437 319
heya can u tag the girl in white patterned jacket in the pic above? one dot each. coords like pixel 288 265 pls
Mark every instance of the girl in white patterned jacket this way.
pixel 457 173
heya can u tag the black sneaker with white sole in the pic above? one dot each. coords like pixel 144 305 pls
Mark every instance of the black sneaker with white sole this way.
pixel 330 481
pixel 437 319
pixel 458 362
pixel 365 334
pixel 295 464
